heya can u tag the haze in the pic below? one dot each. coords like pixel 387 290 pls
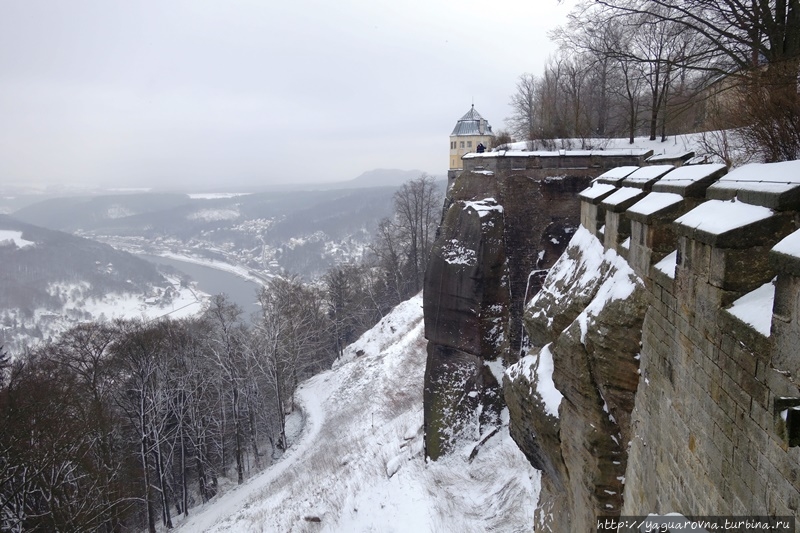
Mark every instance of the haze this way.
pixel 216 94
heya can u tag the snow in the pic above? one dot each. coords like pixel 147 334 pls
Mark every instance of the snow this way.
pixel 597 190
pixel 8 237
pixel 617 173
pixel 188 302
pixel 646 174
pixel 717 216
pixel 668 264
pixel 768 177
pixel 655 202
pixel 569 275
pixel 626 243
pixel 619 284
pixel 359 464
pixel 216 195
pixel 623 194
pixel 538 369
pixel 665 157
pixel 483 207
pixel 556 153
pixel 455 253
pixel 789 245
pixel 689 174
pixel 755 308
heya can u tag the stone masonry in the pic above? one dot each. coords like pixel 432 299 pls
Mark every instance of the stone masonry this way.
pixel 715 420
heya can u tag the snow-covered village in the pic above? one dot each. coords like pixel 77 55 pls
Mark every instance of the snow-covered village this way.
pixel 372 267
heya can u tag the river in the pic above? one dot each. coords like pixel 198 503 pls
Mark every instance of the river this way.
pixel 214 281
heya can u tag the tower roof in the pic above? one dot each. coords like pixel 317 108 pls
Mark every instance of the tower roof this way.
pixel 472 123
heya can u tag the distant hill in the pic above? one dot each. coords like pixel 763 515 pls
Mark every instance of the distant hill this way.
pixel 297 231
pixel 51 279
pixel 384 176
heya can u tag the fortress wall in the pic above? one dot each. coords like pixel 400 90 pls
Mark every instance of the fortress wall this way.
pixel 708 429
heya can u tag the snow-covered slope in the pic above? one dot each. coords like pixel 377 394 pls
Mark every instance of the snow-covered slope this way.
pixel 359 465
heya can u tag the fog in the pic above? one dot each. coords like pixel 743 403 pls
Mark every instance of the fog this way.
pixel 214 94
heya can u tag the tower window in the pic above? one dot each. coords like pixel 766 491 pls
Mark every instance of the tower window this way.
pixel 462 144
pixel 469 144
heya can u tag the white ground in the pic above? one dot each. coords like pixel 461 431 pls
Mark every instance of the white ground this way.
pixel 359 465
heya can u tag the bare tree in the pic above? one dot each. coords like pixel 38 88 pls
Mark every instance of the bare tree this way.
pixel 522 122
pixel 403 242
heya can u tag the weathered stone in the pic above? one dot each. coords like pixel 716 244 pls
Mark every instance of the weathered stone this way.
pixel 491 253
pixel 583 453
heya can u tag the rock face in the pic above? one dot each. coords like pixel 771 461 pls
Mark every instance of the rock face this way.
pixel 496 231
pixel 588 318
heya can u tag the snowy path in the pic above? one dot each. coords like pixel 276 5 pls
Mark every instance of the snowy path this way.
pixel 226 506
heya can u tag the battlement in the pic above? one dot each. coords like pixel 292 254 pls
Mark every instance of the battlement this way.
pixel 719 253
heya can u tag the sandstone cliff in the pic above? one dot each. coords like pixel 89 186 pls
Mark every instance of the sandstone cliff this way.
pixel 572 419
pixel 490 241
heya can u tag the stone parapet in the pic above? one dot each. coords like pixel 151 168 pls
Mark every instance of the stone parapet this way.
pixel 561 162
pixel 716 421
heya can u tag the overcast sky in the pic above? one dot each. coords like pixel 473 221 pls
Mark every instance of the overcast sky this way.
pixel 148 93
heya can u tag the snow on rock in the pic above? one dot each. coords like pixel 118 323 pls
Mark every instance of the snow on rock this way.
pixel 359 464
pixel 717 216
pixel 538 369
pixel 9 237
pixel 618 285
pixel 568 274
pixel 455 253
pixel 484 207
pixel 755 308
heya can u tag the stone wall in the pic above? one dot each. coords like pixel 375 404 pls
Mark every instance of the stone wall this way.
pixel 713 427
pixel 708 436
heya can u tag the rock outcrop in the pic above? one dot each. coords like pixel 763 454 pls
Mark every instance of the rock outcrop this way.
pixel 491 239
pixel 587 317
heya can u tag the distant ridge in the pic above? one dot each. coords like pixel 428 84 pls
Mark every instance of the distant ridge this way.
pixel 384 177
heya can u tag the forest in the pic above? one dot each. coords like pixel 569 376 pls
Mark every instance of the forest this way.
pixel 122 425
pixel 626 68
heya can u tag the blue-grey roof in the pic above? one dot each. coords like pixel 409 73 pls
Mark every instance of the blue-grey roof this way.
pixel 470 124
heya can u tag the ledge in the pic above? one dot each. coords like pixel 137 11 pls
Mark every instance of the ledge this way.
pixel 690 181
pixel 645 177
pixel 729 224
pixel 622 199
pixel 616 175
pixel 772 185
pixel 596 193
pixel 656 206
